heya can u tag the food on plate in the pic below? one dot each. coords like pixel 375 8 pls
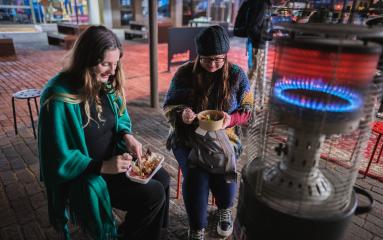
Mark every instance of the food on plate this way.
pixel 146 166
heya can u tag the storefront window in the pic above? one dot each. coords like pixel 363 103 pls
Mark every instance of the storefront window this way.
pixel 66 10
pixel 221 10
pixel 163 8
pixel 194 9
pixel 208 11
pixel 15 12
pixel 126 12
pixel 44 11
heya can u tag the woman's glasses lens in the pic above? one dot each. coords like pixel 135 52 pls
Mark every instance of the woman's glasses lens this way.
pixel 215 60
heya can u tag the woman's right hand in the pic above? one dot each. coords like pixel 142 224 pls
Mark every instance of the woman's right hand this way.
pixel 188 116
pixel 117 164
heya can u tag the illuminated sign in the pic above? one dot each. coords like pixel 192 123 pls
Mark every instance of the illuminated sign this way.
pixel 180 57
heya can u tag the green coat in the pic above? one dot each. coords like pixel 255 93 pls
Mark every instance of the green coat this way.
pixel 64 157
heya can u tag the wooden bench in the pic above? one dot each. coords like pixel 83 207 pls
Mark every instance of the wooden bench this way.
pixel 132 33
pixel 66 34
pixel 65 40
pixel 136 30
pixel 140 30
pixel 72 29
pixel 7 49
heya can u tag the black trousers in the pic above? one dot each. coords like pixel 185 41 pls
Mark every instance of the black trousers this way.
pixel 147 205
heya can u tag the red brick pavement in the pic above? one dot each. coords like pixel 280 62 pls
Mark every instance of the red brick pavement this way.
pixel 23 209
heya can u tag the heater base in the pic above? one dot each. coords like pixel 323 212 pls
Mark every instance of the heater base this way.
pixel 258 221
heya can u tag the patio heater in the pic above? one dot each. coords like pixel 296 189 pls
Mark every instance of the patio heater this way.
pixel 297 185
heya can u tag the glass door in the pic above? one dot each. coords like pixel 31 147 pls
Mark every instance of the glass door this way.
pixel 15 12
pixel 194 9
pixel 75 11
pixel 126 12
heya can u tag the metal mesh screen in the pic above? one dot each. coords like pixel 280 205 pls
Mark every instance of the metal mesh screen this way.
pixel 300 170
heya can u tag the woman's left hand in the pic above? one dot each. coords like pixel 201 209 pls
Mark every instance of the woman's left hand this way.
pixel 133 145
pixel 226 120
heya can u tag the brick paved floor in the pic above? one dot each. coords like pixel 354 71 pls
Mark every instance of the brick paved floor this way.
pixel 23 207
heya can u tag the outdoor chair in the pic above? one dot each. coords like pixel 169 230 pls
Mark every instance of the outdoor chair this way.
pixel 26 94
pixel 378 129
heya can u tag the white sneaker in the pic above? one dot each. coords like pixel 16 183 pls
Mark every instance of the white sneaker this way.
pixel 225 222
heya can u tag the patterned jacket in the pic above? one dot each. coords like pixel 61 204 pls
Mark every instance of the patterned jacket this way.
pixel 180 95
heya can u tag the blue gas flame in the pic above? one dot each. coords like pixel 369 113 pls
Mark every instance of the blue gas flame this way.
pixel 352 100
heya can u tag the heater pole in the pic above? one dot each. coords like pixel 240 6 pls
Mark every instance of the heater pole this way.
pixel 153 37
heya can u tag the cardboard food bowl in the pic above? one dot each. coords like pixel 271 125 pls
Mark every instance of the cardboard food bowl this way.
pixel 210 120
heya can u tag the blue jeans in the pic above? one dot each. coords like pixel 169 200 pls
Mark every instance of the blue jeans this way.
pixel 195 190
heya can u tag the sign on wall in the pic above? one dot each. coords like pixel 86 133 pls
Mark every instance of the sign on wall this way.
pixel 181 46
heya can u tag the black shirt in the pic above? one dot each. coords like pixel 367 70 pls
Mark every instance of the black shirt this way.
pixel 100 136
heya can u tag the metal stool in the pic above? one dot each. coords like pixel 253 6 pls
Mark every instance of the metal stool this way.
pixel 179 187
pixel 26 94
pixel 377 128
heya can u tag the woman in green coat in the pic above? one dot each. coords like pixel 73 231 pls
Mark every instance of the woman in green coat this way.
pixel 86 146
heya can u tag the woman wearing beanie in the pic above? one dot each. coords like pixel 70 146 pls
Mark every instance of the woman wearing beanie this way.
pixel 210 82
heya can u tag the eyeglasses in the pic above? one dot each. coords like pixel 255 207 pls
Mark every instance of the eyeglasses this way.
pixel 216 60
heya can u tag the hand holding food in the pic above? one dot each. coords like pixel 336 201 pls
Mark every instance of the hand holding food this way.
pixel 146 166
pixel 226 120
pixel 188 116
pixel 133 145
pixel 116 164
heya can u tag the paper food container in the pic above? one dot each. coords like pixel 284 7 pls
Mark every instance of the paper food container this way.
pixel 141 180
pixel 210 120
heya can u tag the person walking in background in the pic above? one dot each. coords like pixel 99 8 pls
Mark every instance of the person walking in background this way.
pixel 254 22
pixel 80 7
pixel 68 7
pixel 209 82
pixel 86 145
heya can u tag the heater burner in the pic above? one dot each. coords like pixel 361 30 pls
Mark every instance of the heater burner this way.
pixel 315 105
pixel 317 95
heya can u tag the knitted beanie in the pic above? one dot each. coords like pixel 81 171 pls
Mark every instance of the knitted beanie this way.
pixel 213 40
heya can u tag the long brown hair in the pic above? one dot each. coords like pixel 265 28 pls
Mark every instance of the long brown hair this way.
pixel 88 51
pixel 202 87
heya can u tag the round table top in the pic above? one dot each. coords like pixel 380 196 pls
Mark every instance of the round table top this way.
pixel 378 127
pixel 27 93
